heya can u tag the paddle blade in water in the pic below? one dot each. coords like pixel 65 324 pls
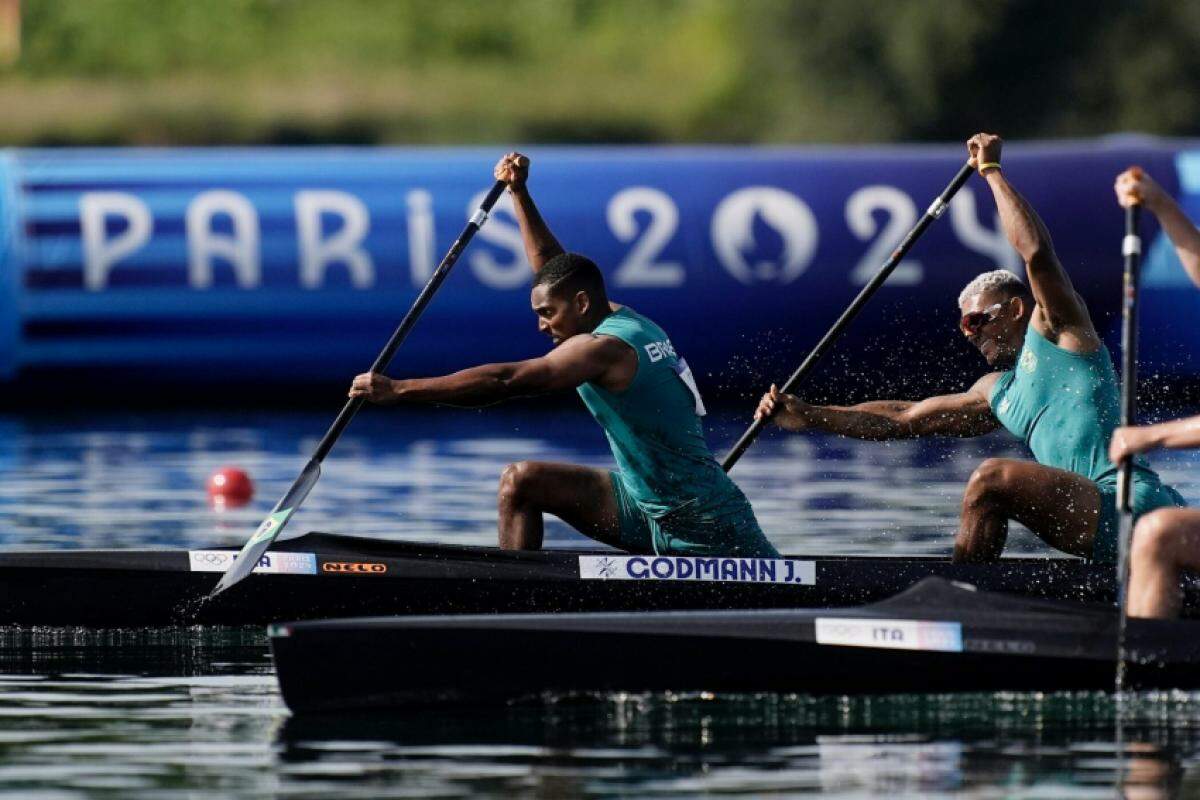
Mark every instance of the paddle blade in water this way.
pixel 245 562
pixel 253 550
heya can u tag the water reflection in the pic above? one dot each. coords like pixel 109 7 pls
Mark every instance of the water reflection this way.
pixel 177 652
pixel 225 734
pixel 1029 745
pixel 85 735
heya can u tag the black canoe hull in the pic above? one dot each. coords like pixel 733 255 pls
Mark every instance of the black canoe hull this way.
pixel 362 577
pixel 375 664
pixel 361 673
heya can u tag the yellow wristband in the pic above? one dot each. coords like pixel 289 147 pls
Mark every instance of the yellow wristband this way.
pixel 989 165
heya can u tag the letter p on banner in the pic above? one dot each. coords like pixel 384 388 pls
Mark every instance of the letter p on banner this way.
pixel 100 253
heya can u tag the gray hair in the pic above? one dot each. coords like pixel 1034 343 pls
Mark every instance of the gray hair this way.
pixel 1001 279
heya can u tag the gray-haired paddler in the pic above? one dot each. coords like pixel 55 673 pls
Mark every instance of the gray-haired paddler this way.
pixel 1053 386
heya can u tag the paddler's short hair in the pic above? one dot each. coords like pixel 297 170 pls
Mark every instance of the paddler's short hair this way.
pixel 997 280
pixel 568 273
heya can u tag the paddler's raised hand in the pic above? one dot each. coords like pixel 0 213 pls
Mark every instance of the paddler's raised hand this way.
pixel 984 150
pixel 375 387
pixel 785 410
pixel 1135 187
pixel 513 169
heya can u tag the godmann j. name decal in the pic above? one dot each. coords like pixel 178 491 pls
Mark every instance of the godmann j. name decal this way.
pixel 271 563
pixel 697 568
pixel 891 634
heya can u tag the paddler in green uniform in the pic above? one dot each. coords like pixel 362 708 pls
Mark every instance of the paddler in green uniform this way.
pixel 1054 388
pixel 1166 543
pixel 668 495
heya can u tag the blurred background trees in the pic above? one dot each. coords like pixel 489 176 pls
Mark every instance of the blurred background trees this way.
pixel 587 71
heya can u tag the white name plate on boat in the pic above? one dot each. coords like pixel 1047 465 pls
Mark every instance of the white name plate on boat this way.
pixel 697 568
pixel 892 634
pixel 272 563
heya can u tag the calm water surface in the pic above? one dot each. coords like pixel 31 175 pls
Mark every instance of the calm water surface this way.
pixel 181 714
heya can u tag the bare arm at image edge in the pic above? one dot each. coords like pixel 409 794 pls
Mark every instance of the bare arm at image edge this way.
pixel 1135 186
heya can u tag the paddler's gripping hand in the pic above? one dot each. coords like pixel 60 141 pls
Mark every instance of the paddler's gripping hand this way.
pixel 375 388
pixel 984 149
pixel 1134 187
pixel 513 169
pixel 1128 441
pixel 785 410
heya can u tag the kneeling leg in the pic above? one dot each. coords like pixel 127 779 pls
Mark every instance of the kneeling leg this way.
pixel 1165 542
pixel 1061 507
pixel 582 497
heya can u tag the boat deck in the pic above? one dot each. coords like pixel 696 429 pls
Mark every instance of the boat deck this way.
pixel 321 575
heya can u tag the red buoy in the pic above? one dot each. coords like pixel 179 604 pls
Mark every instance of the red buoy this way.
pixel 230 487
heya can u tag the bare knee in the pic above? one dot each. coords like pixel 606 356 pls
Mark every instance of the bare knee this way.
pixel 989 483
pixel 1154 537
pixel 515 481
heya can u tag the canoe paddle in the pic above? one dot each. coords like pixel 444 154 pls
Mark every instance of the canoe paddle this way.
pixel 1131 249
pixel 253 550
pixel 935 210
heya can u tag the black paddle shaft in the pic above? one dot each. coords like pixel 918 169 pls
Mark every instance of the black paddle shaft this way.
pixel 1131 248
pixel 246 560
pixel 935 210
pixel 410 319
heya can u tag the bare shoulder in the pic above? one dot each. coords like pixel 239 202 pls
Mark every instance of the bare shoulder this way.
pixel 1078 335
pixel 612 347
pixel 600 347
pixel 615 359
pixel 983 387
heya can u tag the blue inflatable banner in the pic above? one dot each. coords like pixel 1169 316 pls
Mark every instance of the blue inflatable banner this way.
pixel 294 265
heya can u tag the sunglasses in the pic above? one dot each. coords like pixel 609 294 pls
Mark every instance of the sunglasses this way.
pixel 973 323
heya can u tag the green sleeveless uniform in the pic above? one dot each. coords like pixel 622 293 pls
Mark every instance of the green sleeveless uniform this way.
pixel 1064 406
pixel 673 496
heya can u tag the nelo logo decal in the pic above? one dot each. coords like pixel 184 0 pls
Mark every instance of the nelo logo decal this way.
pixel 354 567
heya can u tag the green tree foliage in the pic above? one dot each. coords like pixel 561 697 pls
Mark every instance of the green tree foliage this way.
pixel 476 71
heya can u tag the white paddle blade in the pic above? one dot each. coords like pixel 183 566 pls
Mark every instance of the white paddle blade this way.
pixel 245 561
